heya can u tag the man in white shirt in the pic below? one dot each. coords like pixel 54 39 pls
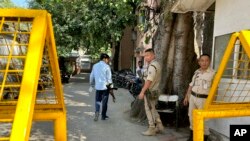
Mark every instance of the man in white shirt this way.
pixel 100 77
pixel 139 70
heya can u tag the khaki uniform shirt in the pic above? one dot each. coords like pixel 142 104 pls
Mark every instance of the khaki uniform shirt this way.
pixel 201 81
pixel 153 74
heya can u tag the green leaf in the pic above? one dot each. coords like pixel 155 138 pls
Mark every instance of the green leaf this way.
pixel 88 24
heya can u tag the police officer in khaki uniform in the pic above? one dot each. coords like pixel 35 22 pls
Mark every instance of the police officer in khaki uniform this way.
pixel 198 90
pixel 150 93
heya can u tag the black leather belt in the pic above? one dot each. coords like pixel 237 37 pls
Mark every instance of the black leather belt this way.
pixel 199 95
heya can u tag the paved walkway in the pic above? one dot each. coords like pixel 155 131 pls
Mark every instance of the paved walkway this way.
pixel 80 106
pixel 80 114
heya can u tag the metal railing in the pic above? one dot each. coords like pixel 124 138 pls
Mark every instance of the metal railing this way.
pixel 30 84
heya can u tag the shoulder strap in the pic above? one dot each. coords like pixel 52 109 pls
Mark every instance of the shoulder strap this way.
pixel 149 66
pixel 154 67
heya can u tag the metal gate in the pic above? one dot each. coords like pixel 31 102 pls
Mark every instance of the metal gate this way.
pixel 30 84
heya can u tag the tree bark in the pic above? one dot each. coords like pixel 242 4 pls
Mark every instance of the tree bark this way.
pixel 198 31
pixel 170 61
pixel 163 42
pixel 174 47
pixel 175 50
pixel 183 43
pixel 161 47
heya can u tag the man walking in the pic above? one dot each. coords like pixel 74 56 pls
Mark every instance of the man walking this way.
pixel 150 93
pixel 100 77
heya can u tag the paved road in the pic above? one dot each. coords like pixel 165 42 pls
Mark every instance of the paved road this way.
pixel 80 114
pixel 119 127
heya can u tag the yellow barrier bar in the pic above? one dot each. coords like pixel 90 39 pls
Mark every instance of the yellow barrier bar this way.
pixel 1 90
pixel 5 139
pixel 245 40
pixel 60 129
pixel 6 120
pixel 39 57
pixel 47 115
pixel 39 115
pixel 198 125
pixel 26 101
pixel 200 115
pixel 220 71
pixel 21 13
pixel 7 66
pixel 55 65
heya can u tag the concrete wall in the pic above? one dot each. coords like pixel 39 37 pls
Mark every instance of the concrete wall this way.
pixel 230 16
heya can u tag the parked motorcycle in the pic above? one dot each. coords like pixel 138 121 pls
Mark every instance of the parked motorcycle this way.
pixel 135 86
pixel 127 79
pixel 120 78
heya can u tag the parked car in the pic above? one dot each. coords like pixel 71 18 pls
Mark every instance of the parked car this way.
pixel 86 63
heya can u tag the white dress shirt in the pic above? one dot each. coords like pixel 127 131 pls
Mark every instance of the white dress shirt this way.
pixel 100 75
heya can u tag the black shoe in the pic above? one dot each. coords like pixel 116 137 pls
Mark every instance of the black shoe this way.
pixel 105 118
pixel 205 137
pixel 190 136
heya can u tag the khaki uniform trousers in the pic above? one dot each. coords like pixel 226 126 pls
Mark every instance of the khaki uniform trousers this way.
pixel 196 103
pixel 151 112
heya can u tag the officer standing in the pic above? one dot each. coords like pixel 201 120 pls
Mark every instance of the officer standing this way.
pixel 150 93
pixel 198 90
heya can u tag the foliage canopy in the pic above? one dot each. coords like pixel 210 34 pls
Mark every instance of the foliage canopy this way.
pixel 92 25
pixel 6 4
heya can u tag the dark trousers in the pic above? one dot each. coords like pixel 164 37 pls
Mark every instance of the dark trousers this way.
pixel 101 98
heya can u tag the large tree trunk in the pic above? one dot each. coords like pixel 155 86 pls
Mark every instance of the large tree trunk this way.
pixel 198 31
pixel 183 34
pixel 164 37
pixel 175 51
pixel 169 67
pixel 174 47
pixel 161 47
pixel 162 40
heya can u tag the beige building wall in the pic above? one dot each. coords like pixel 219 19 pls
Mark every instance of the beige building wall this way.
pixel 231 16
pixel 126 50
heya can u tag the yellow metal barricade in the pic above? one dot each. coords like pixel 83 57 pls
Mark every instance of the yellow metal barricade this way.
pixel 30 84
pixel 230 92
